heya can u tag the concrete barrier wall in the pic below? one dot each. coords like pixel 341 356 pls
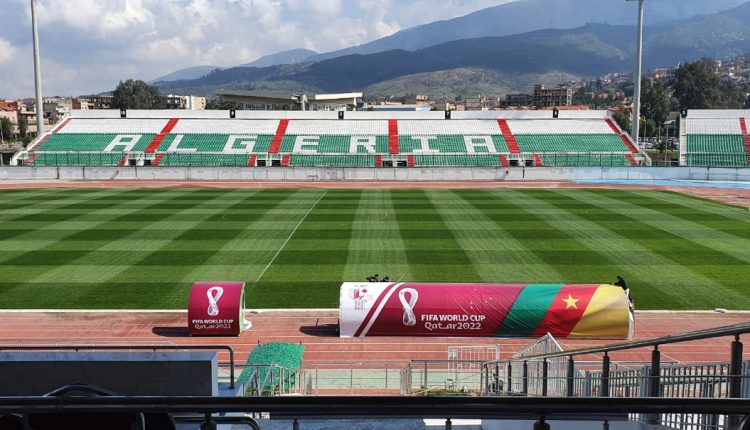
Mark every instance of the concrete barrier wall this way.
pixel 128 373
pixel 372 174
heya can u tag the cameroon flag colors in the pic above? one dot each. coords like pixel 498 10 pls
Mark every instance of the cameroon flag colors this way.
pixel 482 310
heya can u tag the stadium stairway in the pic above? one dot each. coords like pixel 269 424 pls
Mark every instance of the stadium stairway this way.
pixel 508 135
pixel 745 139
pixel 278 138
pixel 159 138
pixel 393 137
pixel 624 137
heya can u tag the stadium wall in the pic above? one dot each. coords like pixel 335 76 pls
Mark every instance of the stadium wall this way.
pixel 373 174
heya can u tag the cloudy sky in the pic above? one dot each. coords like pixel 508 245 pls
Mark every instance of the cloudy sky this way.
pixel 90 45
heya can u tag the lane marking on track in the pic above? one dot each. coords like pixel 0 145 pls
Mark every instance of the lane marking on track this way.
pixel 290 236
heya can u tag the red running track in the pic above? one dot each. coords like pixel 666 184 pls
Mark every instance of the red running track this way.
pixel 316 331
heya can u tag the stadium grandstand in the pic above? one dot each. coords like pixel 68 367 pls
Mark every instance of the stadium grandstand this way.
pixel 331 139
pixel 715 138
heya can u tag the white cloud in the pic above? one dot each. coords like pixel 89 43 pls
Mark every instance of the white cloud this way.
pixel 90 45
pixel 7 51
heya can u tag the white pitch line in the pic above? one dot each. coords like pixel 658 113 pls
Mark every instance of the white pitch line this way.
pixel 290 237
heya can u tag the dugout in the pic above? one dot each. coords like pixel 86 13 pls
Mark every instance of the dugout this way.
pixel 484 310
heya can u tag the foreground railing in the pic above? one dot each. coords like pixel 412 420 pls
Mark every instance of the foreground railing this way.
pixel 561 373
pixel 296 408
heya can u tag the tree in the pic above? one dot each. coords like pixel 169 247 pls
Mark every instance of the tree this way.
pixel 215 104
pixel 6 128
pixel 22 126
pixel 622 117
pixel 696 86
pixel 656 101
pixel 133 94
pixel 648 127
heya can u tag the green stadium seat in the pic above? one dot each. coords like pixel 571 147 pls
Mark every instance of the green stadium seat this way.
pixel 328 143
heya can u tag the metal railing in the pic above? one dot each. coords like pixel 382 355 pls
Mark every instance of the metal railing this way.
pixel 184 158
pixel 441 377
pixel 361 377
pixel 310 407
pixel 274 380
pixel 560 373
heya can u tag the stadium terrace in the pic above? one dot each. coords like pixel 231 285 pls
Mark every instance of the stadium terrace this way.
pixel 331 139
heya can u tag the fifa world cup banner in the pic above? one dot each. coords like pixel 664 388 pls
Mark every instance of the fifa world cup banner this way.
pixel 216 308
pixel 484 310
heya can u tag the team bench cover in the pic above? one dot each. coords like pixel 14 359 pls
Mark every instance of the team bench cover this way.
pixel 484 310
pixel 216 308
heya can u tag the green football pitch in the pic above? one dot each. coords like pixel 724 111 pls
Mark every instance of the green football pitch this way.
pixel 143 248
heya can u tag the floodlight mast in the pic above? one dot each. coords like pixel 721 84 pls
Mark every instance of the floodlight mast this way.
pixel 636 121
pixel 37 73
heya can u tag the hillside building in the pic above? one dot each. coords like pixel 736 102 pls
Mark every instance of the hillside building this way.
pixel 542 97
pixel 186 102
pixel 256 100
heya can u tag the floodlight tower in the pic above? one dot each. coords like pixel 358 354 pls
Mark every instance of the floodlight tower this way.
pixel 37 73
pixel 636 122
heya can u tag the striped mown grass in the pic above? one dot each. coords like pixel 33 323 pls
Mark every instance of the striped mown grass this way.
pixel 143 248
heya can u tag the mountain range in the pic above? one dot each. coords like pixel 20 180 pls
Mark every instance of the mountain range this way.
pixel 529 15
pixel 506 62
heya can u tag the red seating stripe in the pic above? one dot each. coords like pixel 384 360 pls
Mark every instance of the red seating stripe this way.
pixel 159 138
pixel 538 160
pixel 31 160
pixel 123 160
pixel 632 160
pixel 393 136
pixel 508 135
pixel 286 160
pixel 45 137
pixel 613 126
pixel 504 161
pixel 378 161
pixel 251 161
pixel 624 138
pixel 278 138
pixel 157 160
pixel 745 138
pixel 410 160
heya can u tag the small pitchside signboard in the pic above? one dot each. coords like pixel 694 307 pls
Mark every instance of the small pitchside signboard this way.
pixel 216 308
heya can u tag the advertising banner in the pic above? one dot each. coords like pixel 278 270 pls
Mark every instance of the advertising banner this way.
pixel 216 308
pixel 484 310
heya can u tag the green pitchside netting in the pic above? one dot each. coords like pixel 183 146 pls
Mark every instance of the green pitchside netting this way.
pixel 262 359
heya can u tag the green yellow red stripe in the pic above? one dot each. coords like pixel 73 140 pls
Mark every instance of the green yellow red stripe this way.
pixel 529 310
pixel 566 310
pixel 605 314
